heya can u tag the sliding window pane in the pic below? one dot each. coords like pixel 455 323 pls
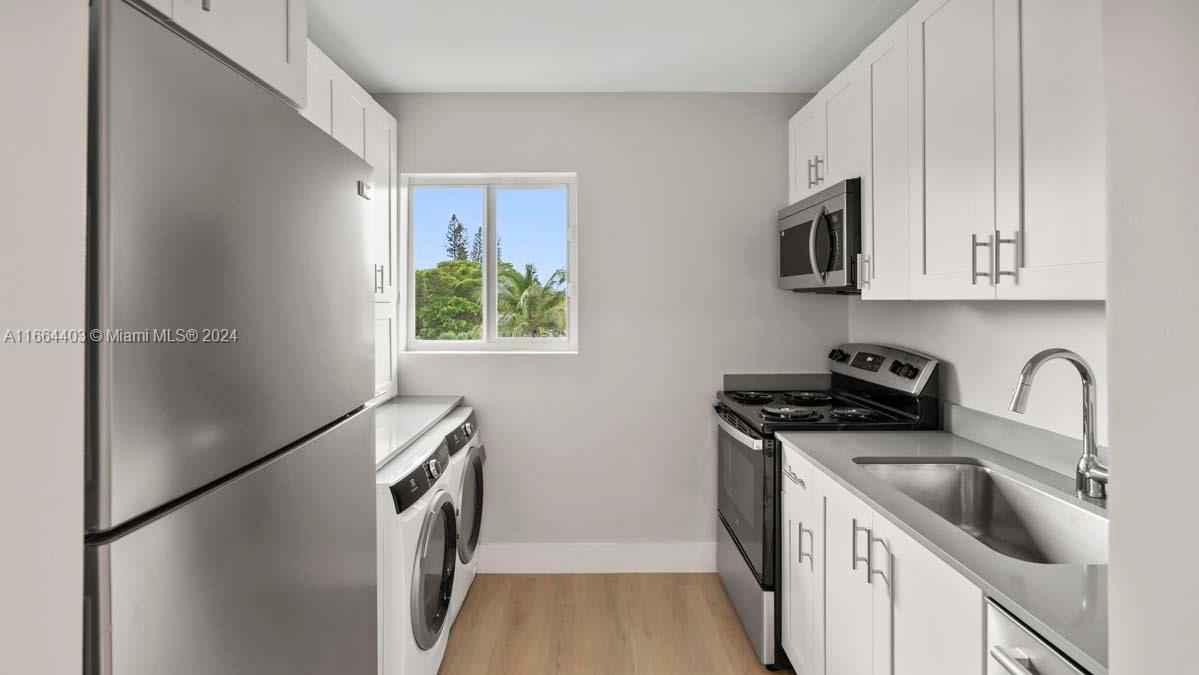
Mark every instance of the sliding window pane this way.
pixel 531 268
pixel 447 256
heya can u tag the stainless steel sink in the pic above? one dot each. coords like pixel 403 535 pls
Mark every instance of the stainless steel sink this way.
pixel 1008 515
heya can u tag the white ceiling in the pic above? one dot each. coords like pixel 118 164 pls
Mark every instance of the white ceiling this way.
pixel 597 45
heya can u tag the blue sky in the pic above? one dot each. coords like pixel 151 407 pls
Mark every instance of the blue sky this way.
pixel 531 223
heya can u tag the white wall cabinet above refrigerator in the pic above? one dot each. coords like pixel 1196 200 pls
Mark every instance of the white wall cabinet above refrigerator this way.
pixel 980 137
pixel 265 38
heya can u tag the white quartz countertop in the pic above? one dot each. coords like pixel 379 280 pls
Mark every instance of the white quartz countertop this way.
pixel 404 419
pixel 1065 604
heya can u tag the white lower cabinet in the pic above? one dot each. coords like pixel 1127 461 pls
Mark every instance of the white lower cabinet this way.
pixel 386 345
pixel 928 619
pixel 802 587
pixel 871 600
pixel 849 603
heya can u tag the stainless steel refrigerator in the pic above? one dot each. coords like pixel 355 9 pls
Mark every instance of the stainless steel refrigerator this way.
pixel 230 515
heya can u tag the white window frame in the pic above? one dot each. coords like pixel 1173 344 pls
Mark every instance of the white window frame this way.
pixel 491 342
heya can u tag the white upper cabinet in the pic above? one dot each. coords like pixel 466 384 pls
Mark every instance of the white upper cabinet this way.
pixel 825 139
pixel 952 148
pixel 381 155
pixel 805 137
pixel 841 113
pixel 349 114
pixel 265 37
pixel 928 619
pixel 1051 209
pixel 319 106
pixel 884 72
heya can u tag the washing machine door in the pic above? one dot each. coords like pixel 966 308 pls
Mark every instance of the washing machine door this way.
pixel 433 570
pixel 470 503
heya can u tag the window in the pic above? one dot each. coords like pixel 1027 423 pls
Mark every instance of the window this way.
pixel 491 262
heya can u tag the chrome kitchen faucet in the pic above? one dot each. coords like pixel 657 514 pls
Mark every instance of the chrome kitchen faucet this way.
pixel 1090 477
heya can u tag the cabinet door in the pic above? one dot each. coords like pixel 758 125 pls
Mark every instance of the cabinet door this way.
pixel 266 37
pixel 952 147
pixel 380 154
pixel 884 73
pixel 848 609
pixel 803 610
pixel 928 619
pixel 386 344
pixel 318 108
pixel 349 114
pixel 806 135
pixel 844 128
pixel 1050 142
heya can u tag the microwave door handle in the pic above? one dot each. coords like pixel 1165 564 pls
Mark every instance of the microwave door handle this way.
pixel 816 223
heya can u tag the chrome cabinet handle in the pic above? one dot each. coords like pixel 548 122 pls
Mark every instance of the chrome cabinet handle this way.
pixel 975 244
pixel 819 178
pixel 857 558
pixel 1015 662
pixel 379 278
pixel 999 272
pixel 811 171
pixel 890 573
pixel 794 478
pixel 863 275
pixel 799 546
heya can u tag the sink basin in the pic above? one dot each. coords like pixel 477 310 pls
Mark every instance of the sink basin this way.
pixel 1008 515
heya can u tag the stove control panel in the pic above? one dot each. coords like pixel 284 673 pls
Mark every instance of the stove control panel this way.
pixel 891 367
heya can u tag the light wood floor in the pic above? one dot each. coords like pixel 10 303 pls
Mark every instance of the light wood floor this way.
pixel 619 624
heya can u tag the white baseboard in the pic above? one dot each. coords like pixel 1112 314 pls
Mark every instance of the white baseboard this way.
pixel 553 558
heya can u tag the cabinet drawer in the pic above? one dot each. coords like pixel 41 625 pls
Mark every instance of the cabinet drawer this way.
pixel 1009 641
pixel 797 477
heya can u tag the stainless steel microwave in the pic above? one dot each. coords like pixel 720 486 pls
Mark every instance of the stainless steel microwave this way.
pixel 819 241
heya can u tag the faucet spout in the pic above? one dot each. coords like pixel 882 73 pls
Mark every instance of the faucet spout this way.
pixel 1091 476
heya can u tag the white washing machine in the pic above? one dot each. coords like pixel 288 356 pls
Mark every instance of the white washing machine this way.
pixel 467 456
pixel 417 523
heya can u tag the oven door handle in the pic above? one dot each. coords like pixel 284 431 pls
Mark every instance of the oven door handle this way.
pixel 737 434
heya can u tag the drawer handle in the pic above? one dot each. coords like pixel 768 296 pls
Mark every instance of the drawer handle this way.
pixel 794 478
pixel 1015 662
pixel 857 558
pixel 799 545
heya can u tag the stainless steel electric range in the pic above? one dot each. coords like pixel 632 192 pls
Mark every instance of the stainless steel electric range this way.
pixel 871 387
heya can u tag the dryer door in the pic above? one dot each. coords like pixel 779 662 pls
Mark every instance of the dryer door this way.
pixel 433 570
pixel 470 503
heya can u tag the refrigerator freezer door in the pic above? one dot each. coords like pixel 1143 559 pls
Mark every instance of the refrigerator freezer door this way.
pixel 273 573
pixel 214 208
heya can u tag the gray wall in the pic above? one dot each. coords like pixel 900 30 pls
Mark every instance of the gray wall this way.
pixel 1151 49
pixel 677 200
pixel 987 343
pixel 43 120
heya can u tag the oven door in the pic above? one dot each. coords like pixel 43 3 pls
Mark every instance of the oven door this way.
pixel 812 248
pixel 744 481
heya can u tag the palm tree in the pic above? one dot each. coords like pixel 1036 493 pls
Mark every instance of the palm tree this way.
pixel 528 308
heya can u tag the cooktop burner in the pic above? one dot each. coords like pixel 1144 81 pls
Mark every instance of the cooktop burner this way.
pixel 752 396
pixel 808 398
pixel 788 412
pixel 853 413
